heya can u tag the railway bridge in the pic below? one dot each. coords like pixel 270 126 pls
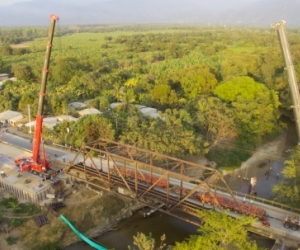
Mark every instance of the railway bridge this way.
pixel 174 186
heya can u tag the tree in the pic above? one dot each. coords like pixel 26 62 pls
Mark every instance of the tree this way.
pixel 170 134
pixel 215 119
pixel 127 97
pixel 26 99
pixel 240 64
pixel 6 50
pixel 220 231
pixel 288 190
pixel 22 72
pixel 64 69
pixel 200 80
pixel 243 86
pixel 255 107
pixel 130 83
pixel 90 128
pixel 162 94
pixel 2 64
pixel 144 242
pixel 15 206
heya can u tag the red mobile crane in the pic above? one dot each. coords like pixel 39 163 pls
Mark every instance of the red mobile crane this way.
pixel 35 164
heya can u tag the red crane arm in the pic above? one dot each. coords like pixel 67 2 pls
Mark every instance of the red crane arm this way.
pixel 39 116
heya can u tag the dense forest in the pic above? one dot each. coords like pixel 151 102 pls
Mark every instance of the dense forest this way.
pixel 209 83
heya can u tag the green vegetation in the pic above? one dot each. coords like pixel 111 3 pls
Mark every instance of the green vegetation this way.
pixel 208 83
pixel 287 191
pixel 228 158
pixel 219 231
pixel 14 214
pixel 11 240
pixel 89 212
pixel 144 242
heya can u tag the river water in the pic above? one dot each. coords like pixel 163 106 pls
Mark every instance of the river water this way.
pixel 178 230
pixel 158 224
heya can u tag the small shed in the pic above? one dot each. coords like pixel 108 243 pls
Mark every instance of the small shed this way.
pixel 116 104
pixel 3 77
pixel 148 110
pixel 10 116
pixel 68 118
pixel 77 105
pixel 91 111
pixel 49 122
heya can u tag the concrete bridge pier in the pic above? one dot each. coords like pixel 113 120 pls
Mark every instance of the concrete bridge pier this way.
pixel 25 194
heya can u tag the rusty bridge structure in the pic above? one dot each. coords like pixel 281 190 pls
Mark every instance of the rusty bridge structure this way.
pixel 157 180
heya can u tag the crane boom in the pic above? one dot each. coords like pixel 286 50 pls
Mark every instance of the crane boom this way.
pixel 35 164
pixel 281 32
pixel 39 116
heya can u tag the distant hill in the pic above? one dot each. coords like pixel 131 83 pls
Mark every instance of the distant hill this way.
pixel 233 12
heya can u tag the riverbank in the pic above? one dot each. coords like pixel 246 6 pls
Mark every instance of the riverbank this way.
pixel 92 213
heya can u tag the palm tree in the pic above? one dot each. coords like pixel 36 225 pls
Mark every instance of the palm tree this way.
pixel 127 98
pixel 15 206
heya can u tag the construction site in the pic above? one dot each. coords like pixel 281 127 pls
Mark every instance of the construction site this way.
pixel 51 198
pixel 25 186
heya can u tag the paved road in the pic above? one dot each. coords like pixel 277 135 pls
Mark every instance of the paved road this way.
pixel 25 143
pixel 239 180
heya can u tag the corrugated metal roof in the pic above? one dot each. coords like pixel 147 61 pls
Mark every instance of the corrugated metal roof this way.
pixel 91 111
pixel 8 114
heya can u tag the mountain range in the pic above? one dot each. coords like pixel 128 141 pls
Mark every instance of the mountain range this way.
pixel 213 12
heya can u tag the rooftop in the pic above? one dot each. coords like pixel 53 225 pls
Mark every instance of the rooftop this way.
pixel 8 114
pixel 91 111
pixel 76 105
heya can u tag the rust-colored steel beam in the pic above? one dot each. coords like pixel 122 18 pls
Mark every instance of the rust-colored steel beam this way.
pixel 149 176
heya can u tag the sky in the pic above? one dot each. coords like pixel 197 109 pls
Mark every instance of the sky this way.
pixel 8 2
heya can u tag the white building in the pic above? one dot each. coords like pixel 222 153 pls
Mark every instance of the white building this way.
pixel 77 105
pixel 66 118
pixel 152 112
pixel 3 77
pixel 10 117
pixel 51 122
pixel 91 111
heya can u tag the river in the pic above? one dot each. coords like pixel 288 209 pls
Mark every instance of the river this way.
pixel 178 230
pixel 158 224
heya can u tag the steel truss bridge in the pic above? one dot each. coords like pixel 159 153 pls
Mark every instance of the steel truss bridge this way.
pixel 157 180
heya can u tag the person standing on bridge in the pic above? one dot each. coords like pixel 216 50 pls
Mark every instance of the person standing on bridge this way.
pixel 244 199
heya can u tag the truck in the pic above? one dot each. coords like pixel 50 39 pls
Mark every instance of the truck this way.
pixel 291 222
pixel 37 164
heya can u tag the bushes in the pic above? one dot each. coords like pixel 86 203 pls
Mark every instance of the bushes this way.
pixel 228 158
pixel 11 240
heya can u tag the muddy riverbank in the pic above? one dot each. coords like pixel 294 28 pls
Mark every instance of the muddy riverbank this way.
pixel 157 224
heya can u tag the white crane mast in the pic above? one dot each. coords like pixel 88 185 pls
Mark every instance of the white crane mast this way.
pixel 285 48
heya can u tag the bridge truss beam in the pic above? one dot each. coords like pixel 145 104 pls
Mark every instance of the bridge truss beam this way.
pixel 154 179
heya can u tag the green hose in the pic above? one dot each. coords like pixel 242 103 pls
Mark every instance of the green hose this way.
pixel 82 236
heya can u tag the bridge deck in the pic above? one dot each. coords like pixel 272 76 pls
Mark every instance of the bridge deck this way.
pixel 163 180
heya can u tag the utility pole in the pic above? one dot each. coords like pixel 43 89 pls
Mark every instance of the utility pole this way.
pixel 281 32
pixel 29 117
